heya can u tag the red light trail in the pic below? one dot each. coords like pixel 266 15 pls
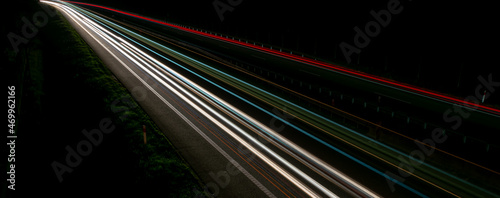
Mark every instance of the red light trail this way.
pixel 324 65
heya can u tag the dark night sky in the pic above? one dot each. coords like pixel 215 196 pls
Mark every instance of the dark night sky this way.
pixel 422 27
pixel 441 37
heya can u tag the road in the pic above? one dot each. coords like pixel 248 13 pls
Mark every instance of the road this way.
pixel 218 119
pixel 199 104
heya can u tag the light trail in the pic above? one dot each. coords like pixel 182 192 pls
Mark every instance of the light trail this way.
pixel 130 50
pixel 271 114
pixel 328 66
pixel 141 58
pixel 308 134
pixel 229 131
pixel 321 103
pixel 253 122
pixel 220 150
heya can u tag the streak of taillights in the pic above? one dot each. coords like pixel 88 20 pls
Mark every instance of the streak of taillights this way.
pixel 342 70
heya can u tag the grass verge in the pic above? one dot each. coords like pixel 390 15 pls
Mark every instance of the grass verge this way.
pixel 65 90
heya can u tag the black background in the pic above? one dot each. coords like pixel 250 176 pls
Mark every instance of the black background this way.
pixel 446 41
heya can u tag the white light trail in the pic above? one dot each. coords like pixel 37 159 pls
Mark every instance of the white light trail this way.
pixel 147 63
pixel 217 147
pixel 105 35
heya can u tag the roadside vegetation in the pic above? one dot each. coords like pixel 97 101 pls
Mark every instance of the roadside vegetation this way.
pixel 64 88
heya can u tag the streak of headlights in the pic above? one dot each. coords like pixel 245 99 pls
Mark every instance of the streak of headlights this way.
pixel 129 49
pixel 343 153
pixel 246 173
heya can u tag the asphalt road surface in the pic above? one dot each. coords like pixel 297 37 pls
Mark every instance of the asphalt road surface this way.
pixel 246 141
